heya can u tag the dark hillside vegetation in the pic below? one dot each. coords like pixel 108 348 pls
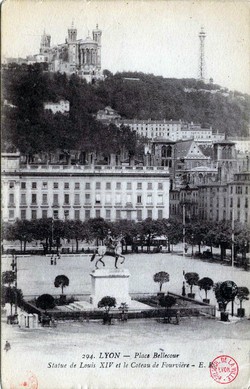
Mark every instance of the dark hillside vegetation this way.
pixel 27 127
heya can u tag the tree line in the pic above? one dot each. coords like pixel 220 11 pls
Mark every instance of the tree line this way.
pixel 26 126
pixel 136 234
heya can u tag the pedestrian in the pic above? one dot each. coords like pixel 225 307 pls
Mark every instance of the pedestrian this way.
pixel 52 260
pixel 7 346
pixel 183 289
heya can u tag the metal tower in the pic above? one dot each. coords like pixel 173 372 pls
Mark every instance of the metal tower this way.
pixel 202 36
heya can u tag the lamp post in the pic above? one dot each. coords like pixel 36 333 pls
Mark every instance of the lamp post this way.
pixel 192 237
pixel 233 238
pixel 14 270
pixel 184 227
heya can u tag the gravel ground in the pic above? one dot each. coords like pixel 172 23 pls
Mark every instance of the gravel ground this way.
pixel 195 340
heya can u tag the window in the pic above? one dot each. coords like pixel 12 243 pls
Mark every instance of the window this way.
pixel 149 213
pixel 11 199
pixel 33 214
pixel 150 185
pixel 87 198
pixel 66 214
pixel 149 199
pixel 139 214
pixel 77 185
pixel 118 199
pixel 108 185
pixel 238 202
pixel 129 199
pixel 129 215
pixel 33 198
pixel 97 213
pixel 44 214
pixel 98 199
pixel 77 214
pixel 129 185
pixel 246 189
pixel 139 185
pixel 11 184
pixel 231 189
pixel 139 199
pixel 108 199
pixel 246 202
pixel 11 214
pixel 45 185
pixel 108 214
pixel 160 199
pixel 77 199
pixel 55 199
pixel 118 214
pixel 238 216
pixel 118 185
pixel 98 185
pixel 87 185
pixel 55 214
pixel 231 202
pixel 55 185
pixel 23 185
pixel 160 214
pixel 66 198
pixel 45 198
pixel 87 214
pixel 160 186
pixel 66 185
pixel 23 214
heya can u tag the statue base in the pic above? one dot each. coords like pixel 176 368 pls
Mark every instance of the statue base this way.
pixel 113 283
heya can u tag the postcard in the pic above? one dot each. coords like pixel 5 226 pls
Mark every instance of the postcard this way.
pixel 126 194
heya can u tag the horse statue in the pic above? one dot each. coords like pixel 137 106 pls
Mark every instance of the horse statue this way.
pixel 112 247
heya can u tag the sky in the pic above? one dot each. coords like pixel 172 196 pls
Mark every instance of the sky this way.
pixel 159 37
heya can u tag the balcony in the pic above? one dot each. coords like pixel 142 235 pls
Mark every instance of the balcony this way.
pixel 98 169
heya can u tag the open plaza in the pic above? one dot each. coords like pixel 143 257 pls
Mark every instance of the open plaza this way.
pixel 50 351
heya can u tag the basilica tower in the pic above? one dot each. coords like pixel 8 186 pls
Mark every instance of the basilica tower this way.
pixel 97 34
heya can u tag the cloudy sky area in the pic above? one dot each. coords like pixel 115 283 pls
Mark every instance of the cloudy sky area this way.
pixel 159 37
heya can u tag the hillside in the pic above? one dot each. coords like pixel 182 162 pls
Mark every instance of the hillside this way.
pixel 25 124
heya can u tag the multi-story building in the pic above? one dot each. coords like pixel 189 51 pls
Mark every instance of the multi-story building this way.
pixel 239 197
pixel 170 129
pixel 62 106
pixel 83 192
pixel 225 201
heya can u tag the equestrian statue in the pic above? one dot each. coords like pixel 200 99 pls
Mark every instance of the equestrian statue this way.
pixel 112 247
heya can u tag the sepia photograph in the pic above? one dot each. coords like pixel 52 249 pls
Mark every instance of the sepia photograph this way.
pixel 125 214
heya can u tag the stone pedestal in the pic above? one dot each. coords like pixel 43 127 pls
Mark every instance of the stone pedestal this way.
pixel 110 282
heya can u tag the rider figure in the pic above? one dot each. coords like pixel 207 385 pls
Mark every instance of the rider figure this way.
pixel 110 241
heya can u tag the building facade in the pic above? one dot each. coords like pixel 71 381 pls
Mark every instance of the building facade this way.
pixel 171 129
pixel 61 106
pixel 83 192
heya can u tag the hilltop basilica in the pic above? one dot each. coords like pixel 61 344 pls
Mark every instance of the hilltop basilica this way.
pixel 80 56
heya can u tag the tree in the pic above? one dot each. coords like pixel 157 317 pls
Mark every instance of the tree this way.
pixel 149 229
pixel 242 294
pixel 8 277
pixel 98 228
pixel 225 292
pixel 167 301
pixel 107 302
pixel 45 301
pixel 11 296
pixel 206 284
pixel 61 281
pixel 192 279
pixel 161 278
